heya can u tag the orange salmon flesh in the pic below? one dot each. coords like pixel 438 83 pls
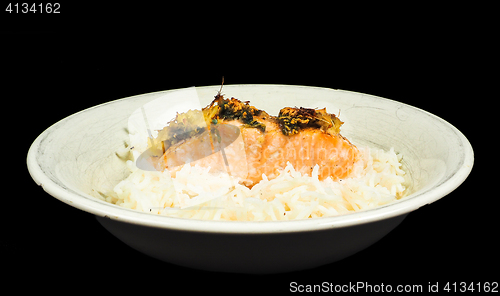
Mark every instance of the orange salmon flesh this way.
pixel 256 152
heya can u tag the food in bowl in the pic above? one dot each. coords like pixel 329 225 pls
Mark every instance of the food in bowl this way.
pixel 232 161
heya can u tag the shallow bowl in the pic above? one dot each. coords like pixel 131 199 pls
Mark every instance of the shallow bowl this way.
pixel 74 160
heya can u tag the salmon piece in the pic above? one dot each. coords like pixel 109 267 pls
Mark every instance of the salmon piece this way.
pixel 232 136
pixel 205 150
pixel 334 154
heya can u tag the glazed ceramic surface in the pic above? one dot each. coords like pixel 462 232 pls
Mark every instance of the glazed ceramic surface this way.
pixel 74 160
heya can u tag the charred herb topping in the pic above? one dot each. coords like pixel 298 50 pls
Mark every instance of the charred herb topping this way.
pixel 234 109
pixel 292 120
pixel 256 124
pixel 183 127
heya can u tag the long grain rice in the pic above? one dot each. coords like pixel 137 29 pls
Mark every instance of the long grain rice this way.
pixel 377 179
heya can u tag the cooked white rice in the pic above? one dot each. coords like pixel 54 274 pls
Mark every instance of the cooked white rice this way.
pixel 377 179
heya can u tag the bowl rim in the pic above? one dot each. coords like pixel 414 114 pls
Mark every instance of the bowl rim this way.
pixel 103 209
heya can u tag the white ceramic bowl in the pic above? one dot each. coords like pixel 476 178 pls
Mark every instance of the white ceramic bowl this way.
pixel 75 158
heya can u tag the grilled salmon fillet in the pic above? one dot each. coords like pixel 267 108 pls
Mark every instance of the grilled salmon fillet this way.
pixel 233 136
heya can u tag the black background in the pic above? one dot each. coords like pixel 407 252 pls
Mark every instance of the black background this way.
pixel 53 67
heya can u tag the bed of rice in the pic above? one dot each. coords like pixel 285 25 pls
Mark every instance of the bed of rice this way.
pixel 195 193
